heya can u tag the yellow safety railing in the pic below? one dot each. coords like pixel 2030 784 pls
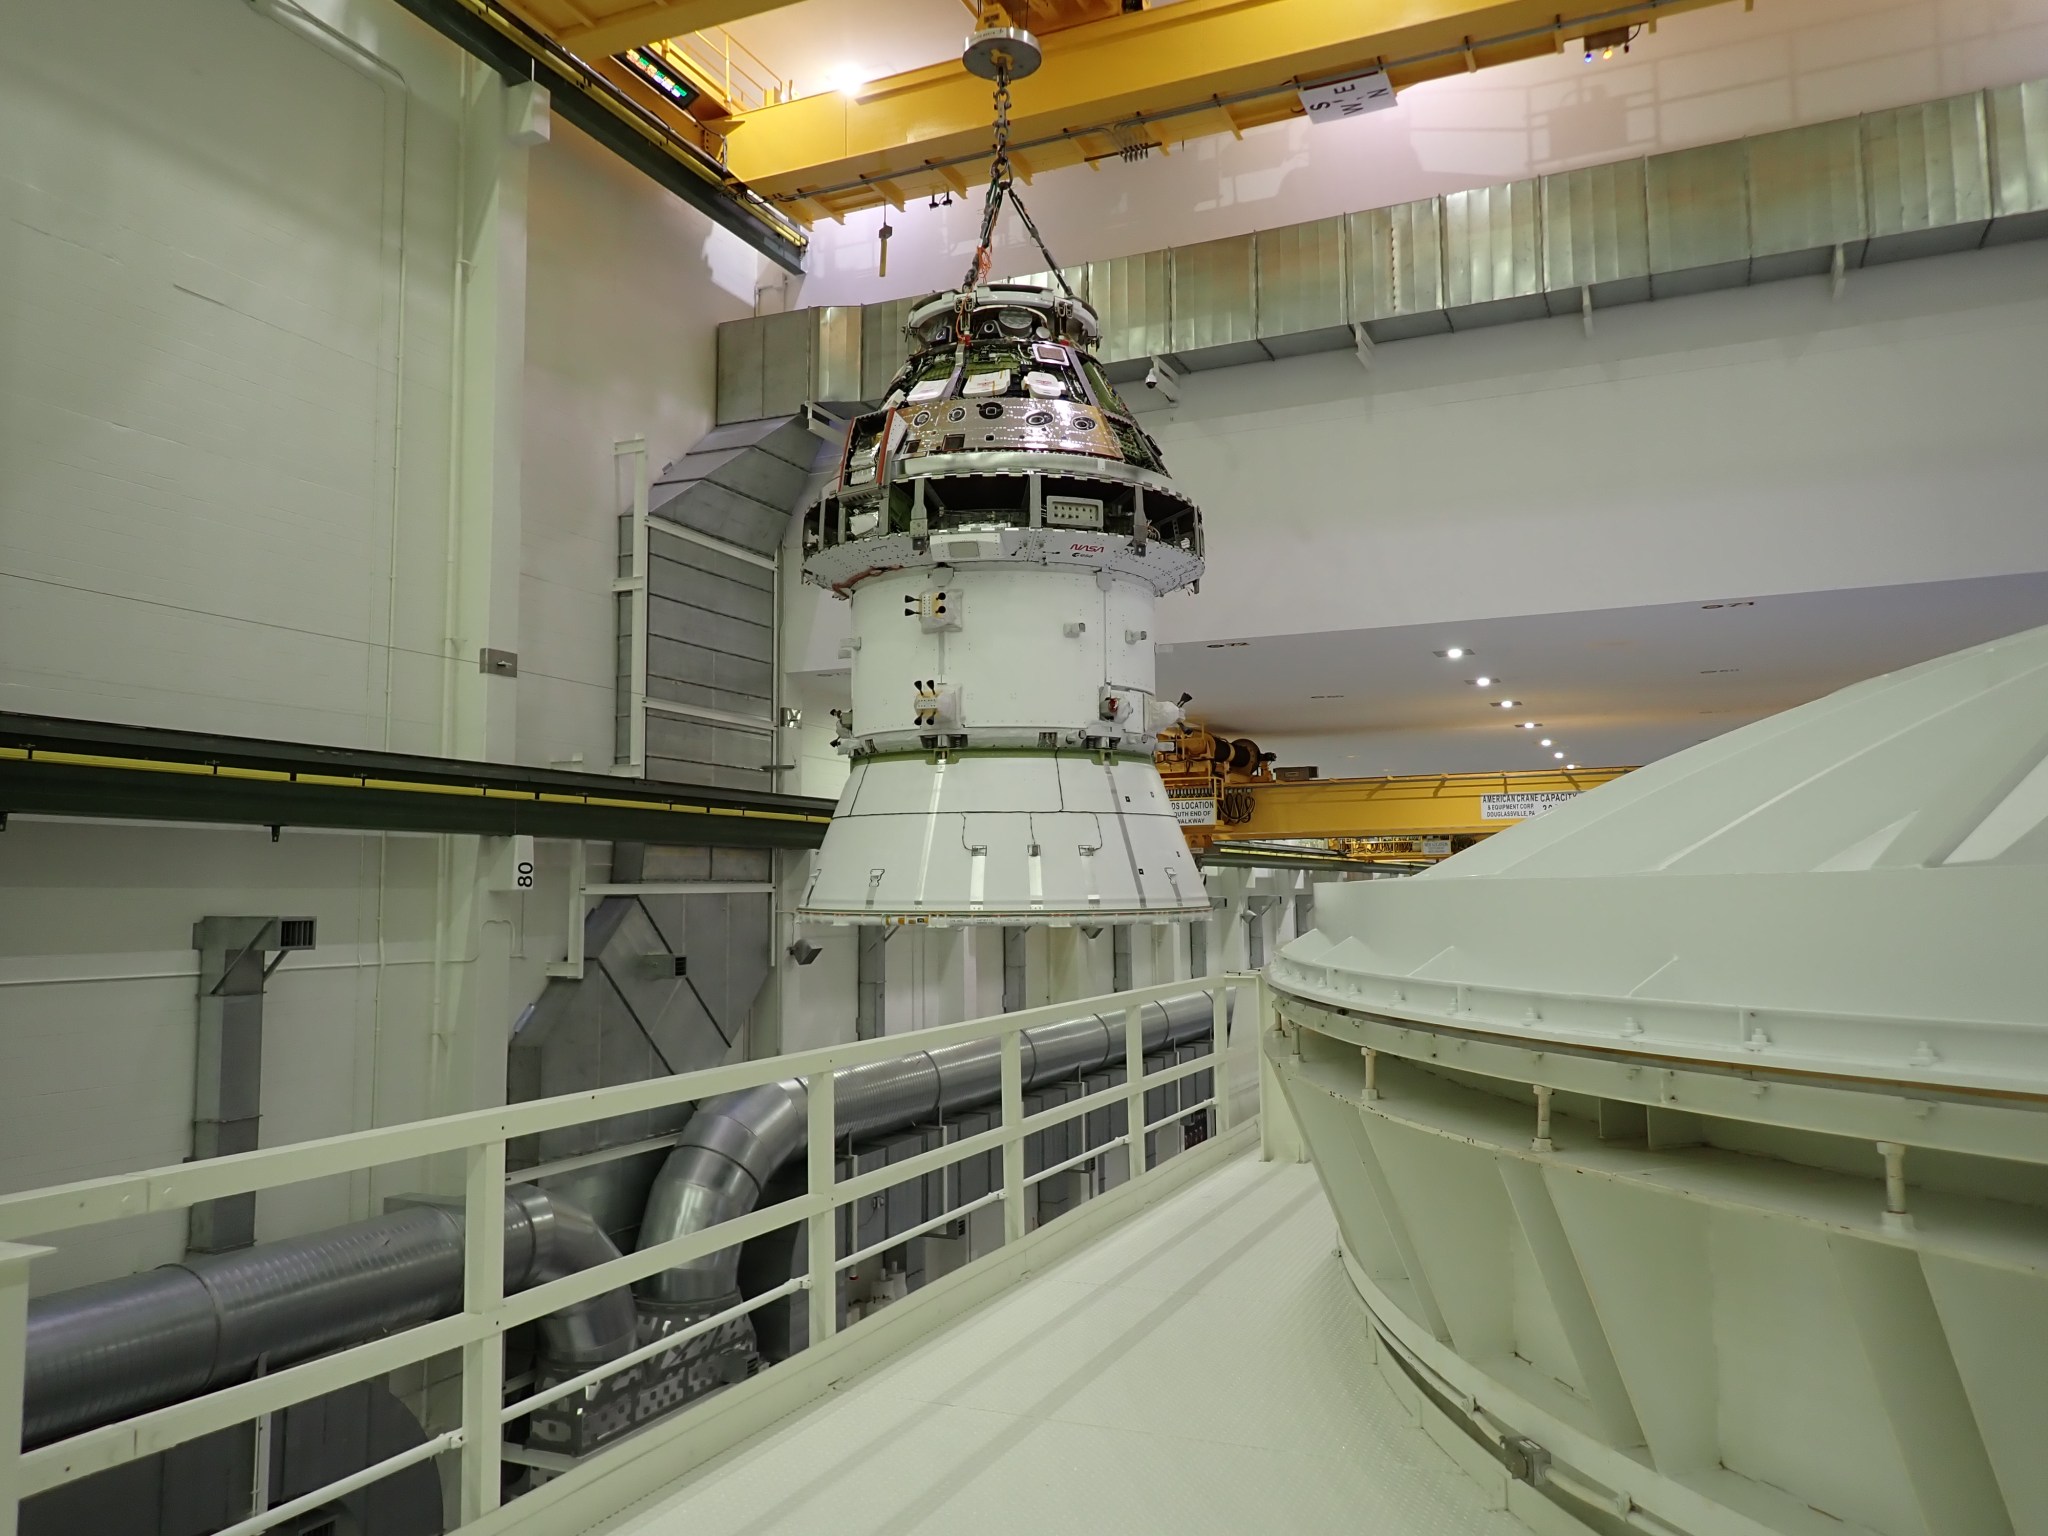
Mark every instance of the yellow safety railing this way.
pixel 721 61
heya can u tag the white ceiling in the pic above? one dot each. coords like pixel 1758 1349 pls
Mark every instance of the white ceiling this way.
pixel 1614 686
pixel 817 42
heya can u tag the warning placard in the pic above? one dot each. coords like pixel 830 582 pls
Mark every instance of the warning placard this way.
pixel 1520 807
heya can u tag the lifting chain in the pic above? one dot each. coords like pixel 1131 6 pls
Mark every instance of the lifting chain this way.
pixel 1001 188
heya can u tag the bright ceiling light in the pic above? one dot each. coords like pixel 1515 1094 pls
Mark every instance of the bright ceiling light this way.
pixel 1507 703
pixel 1482 682
pixel 1527 725
pixel 1570 766
pixel 847 78
pixel 1558 755
pixel 1546 741
pixel 1455 653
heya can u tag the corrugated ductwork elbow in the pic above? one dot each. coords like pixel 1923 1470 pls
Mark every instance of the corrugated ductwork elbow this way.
pixel 104 1352
pixel 734 1144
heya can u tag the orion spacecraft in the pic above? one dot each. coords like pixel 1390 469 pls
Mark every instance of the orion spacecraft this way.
pixel 1003 527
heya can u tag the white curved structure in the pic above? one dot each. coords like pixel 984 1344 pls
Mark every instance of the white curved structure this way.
pixel 1691 1141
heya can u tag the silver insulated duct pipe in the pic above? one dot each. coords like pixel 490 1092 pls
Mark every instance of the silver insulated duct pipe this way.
pixel 103 1352
pixel 734 1144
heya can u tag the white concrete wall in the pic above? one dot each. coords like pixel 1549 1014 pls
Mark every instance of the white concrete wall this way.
pixel 225 441
pixel 1707 75
pixel 1751 441
pixel 241 432
pixel 626 288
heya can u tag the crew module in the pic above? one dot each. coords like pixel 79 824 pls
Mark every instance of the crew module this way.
pixel 1003 527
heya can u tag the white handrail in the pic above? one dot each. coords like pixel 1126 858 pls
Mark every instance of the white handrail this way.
pixel 36 1213
pixel 477 1330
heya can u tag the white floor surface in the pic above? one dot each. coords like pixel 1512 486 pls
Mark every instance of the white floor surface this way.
pixel 1205 1368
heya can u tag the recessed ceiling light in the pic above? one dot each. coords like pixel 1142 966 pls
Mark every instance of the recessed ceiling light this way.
pixel 1546 741
pixel 1558 755
pixel 1507 703
pixel 1570 766
pixel 1455 653
pixel 1481 682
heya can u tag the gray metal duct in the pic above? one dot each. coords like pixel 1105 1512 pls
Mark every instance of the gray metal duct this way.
pixel 1944 175
pixel 734 1144
pixel 104 1352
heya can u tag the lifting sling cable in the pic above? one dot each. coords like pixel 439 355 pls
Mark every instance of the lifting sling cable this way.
pixel 1001 188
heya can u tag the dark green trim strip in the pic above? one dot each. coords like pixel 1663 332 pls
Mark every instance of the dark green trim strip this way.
pixel 89 768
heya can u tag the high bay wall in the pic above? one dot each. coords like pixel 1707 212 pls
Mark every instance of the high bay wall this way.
pixel 314 379
pixel 1948 175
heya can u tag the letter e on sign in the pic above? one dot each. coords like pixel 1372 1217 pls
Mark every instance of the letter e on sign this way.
pixel 1337 99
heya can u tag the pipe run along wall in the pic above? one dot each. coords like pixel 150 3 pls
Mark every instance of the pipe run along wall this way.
pixel 734 1144
pixel 103 1352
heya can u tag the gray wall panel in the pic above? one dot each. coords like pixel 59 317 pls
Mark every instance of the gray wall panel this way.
pixel 1396 261
pixel 788 357
pixel 1596 233
pixel 1215 298
pixel 1806 196
pixel 1699 218
pixel 1927 177
pixel 1301 278
pixel 1493 253
pixel 2018 123
pixel 1133 297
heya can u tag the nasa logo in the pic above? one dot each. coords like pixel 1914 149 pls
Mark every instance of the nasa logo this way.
pixel 1087 549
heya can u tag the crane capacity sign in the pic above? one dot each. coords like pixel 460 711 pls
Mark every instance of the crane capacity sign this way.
pixel 1334 100
pixel 1520 807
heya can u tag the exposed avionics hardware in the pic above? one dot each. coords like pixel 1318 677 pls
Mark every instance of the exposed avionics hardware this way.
pixel 1002 527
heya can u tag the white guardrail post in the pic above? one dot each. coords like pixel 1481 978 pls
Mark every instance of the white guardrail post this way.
pixel 824 1272
pixel 1221 997
pixel 14 1262
pixel 1134 1080
pixel 1013 1148
pixel 483 1361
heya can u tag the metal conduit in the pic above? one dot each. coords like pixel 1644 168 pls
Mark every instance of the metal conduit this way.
pixel 734 1144
pixel 103 1352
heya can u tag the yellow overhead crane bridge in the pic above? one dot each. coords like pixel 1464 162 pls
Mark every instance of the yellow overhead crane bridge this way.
pixel 1117 82
pixel 1225 791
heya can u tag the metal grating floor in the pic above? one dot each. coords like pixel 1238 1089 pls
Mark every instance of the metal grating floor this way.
pixel 1204 1368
